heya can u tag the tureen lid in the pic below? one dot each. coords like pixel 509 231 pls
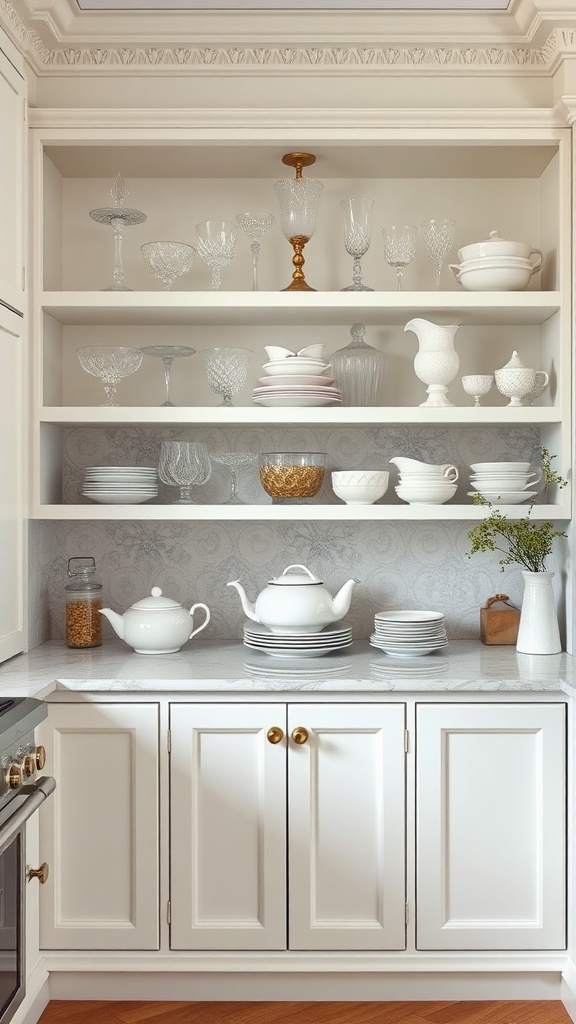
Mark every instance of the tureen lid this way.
pixel 295 579
pixel 156 602
pixel 515 363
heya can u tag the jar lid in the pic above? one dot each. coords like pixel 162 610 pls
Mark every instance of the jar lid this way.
pixel 156 601
pixel 515 363
pixel 296 579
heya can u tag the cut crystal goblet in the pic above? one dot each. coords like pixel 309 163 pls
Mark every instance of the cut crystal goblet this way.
pixel 226 369
pixel 168 260
pixel 216 241
pixel 255 226
pixel 298 198
pixel 233 460
pixel 118 217
pixel 167 353
pixel 110 364
pixel 399 248
pixel 438 238
pixel 357 225
pixel 184 464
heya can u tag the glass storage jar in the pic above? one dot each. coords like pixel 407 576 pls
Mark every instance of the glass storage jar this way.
pixel 359 370
pixel 83 596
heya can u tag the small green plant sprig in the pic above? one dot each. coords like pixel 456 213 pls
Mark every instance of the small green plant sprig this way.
pixel 529 544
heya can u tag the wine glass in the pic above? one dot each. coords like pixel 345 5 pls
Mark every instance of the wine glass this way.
pixel 255 226
pixel 167 353
pixel 184 464
pixel 110 364
pixel 438 238
pixel 226 369
pixel 216 241
pixel 399 247
pixel 118 217
pixel 168 260
pixel 357 224
pixel 477 385
pixel 233 460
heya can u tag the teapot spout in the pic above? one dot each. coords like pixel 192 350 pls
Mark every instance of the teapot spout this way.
pixel 341 601
pixel 248 606
pixel 116 620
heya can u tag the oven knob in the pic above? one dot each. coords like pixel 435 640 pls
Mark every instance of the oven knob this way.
pixel 14 775
pixel 40 756
pixel 29 765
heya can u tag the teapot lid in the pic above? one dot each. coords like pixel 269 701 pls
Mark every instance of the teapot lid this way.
pixel 156 602
pixel 296 579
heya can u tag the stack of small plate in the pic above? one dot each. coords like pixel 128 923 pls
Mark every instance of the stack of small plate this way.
pixel 296 381
pixel 409 633
pixel 120 485
pixel 334 637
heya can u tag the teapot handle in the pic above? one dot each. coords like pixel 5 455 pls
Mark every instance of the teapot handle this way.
pixel 206 620
pixel 287 569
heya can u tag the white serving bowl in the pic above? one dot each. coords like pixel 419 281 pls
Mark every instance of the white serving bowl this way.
pixel 296 365
pixel 359 487
pixel 496 246
pixel 426 495
pixel 503 497
pixel 495 278
pixel 500 467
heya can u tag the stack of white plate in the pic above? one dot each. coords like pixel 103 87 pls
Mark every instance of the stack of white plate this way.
pixel 120 485
pixel 296 381
pixel 334 637
pixel 507 483
pixel 409 633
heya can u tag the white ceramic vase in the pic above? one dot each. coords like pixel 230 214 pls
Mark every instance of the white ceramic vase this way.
pixel 436 363
pixel 538 631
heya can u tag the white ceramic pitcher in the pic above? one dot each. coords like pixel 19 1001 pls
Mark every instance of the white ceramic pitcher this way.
pixel 436 363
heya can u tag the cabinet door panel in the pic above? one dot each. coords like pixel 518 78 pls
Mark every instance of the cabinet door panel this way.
pixel 12 98
pixel 490 826
pixel 228 827
pixel 12 494
pixel 347 827
pixel 99 831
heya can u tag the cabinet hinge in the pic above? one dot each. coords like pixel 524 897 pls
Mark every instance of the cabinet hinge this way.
pixel 24 110
pixel 23 279
pixel 169 741
pixel 169 912
pixel 406 741
pixel 406 912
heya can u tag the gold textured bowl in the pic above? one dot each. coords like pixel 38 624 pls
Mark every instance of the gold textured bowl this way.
pixel 292 474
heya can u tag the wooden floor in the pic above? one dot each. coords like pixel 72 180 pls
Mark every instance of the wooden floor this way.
pixel 490 1012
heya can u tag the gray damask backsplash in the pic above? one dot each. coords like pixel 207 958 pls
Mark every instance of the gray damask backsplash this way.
pixel 399 564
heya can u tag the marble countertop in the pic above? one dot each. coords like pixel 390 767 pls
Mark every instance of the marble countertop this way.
pixel 203 667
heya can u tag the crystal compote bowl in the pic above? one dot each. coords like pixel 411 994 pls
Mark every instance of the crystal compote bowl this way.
pixel 399 248
pixel 167 353
pixel 216 242
pixel 184 464
pixel 233 460
pixel 255 226
pixel 168 260
pixel 438 238
pixel 110 364
pixel 477 385
pixel 226 369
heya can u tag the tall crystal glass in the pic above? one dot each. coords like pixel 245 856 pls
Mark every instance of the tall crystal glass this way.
pixel 168 260
pixel 400 248
pixel 233 460
pixel 184 464
pixel 255 226
pixel 359 370
pixel 298 198
pixel 118 217
pixel 167 353
pixel 111 364
pixel 216 242
pixel 438 238
pixel 226 369
pixel 357 236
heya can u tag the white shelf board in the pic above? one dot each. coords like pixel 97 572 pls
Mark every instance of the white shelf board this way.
pixel 256 414
pixel 247 309
pixel 275 513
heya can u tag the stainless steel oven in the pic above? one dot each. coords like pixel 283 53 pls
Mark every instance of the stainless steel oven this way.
pixel 22 791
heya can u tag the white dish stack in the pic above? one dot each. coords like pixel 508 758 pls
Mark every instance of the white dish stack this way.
pixel 120 485
pixel 409 633
pixel 296 379
pixel 507 483
pixel 335 637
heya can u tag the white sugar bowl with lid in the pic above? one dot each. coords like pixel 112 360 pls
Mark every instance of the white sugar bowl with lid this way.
pixel 157 624
pixel 496 246
pixel 515 380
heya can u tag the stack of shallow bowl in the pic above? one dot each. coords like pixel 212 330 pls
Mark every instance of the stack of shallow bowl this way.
pixel 422 483
pixel 408 633
pixel 508 483
pixel 296 379
pixel 120 485
pixel 496 264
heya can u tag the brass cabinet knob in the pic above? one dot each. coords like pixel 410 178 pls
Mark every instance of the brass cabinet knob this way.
pixel 300 734
pixel 40 873
pixel 29 765
pixel 274 735
pixel 14 775
pixel 40 756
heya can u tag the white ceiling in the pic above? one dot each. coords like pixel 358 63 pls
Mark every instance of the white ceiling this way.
pixel 162 6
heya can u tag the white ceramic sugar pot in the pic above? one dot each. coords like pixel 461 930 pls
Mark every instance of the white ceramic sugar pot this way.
pixel 157 624
pixel 296 602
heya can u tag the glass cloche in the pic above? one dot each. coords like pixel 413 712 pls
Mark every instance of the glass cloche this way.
pixel 359 370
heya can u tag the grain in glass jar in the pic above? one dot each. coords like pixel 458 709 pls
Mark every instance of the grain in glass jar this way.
pixel 83 596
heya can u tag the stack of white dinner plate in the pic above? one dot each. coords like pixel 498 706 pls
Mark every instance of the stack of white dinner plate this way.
pixel 120 485
pixel 334 637
pixel 506 483
pixel 408 633
pixel 296 380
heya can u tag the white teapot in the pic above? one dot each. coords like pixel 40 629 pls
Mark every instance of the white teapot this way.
pixel 156 625
pixel 296 602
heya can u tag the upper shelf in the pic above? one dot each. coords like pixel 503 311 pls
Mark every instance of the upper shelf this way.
pixel 333 308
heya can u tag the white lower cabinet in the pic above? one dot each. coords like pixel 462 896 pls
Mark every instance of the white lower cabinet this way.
pixel 99 830
pixel 490 814
pixel 322 820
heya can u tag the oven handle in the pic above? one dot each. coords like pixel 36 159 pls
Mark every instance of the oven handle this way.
pixel 29 799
